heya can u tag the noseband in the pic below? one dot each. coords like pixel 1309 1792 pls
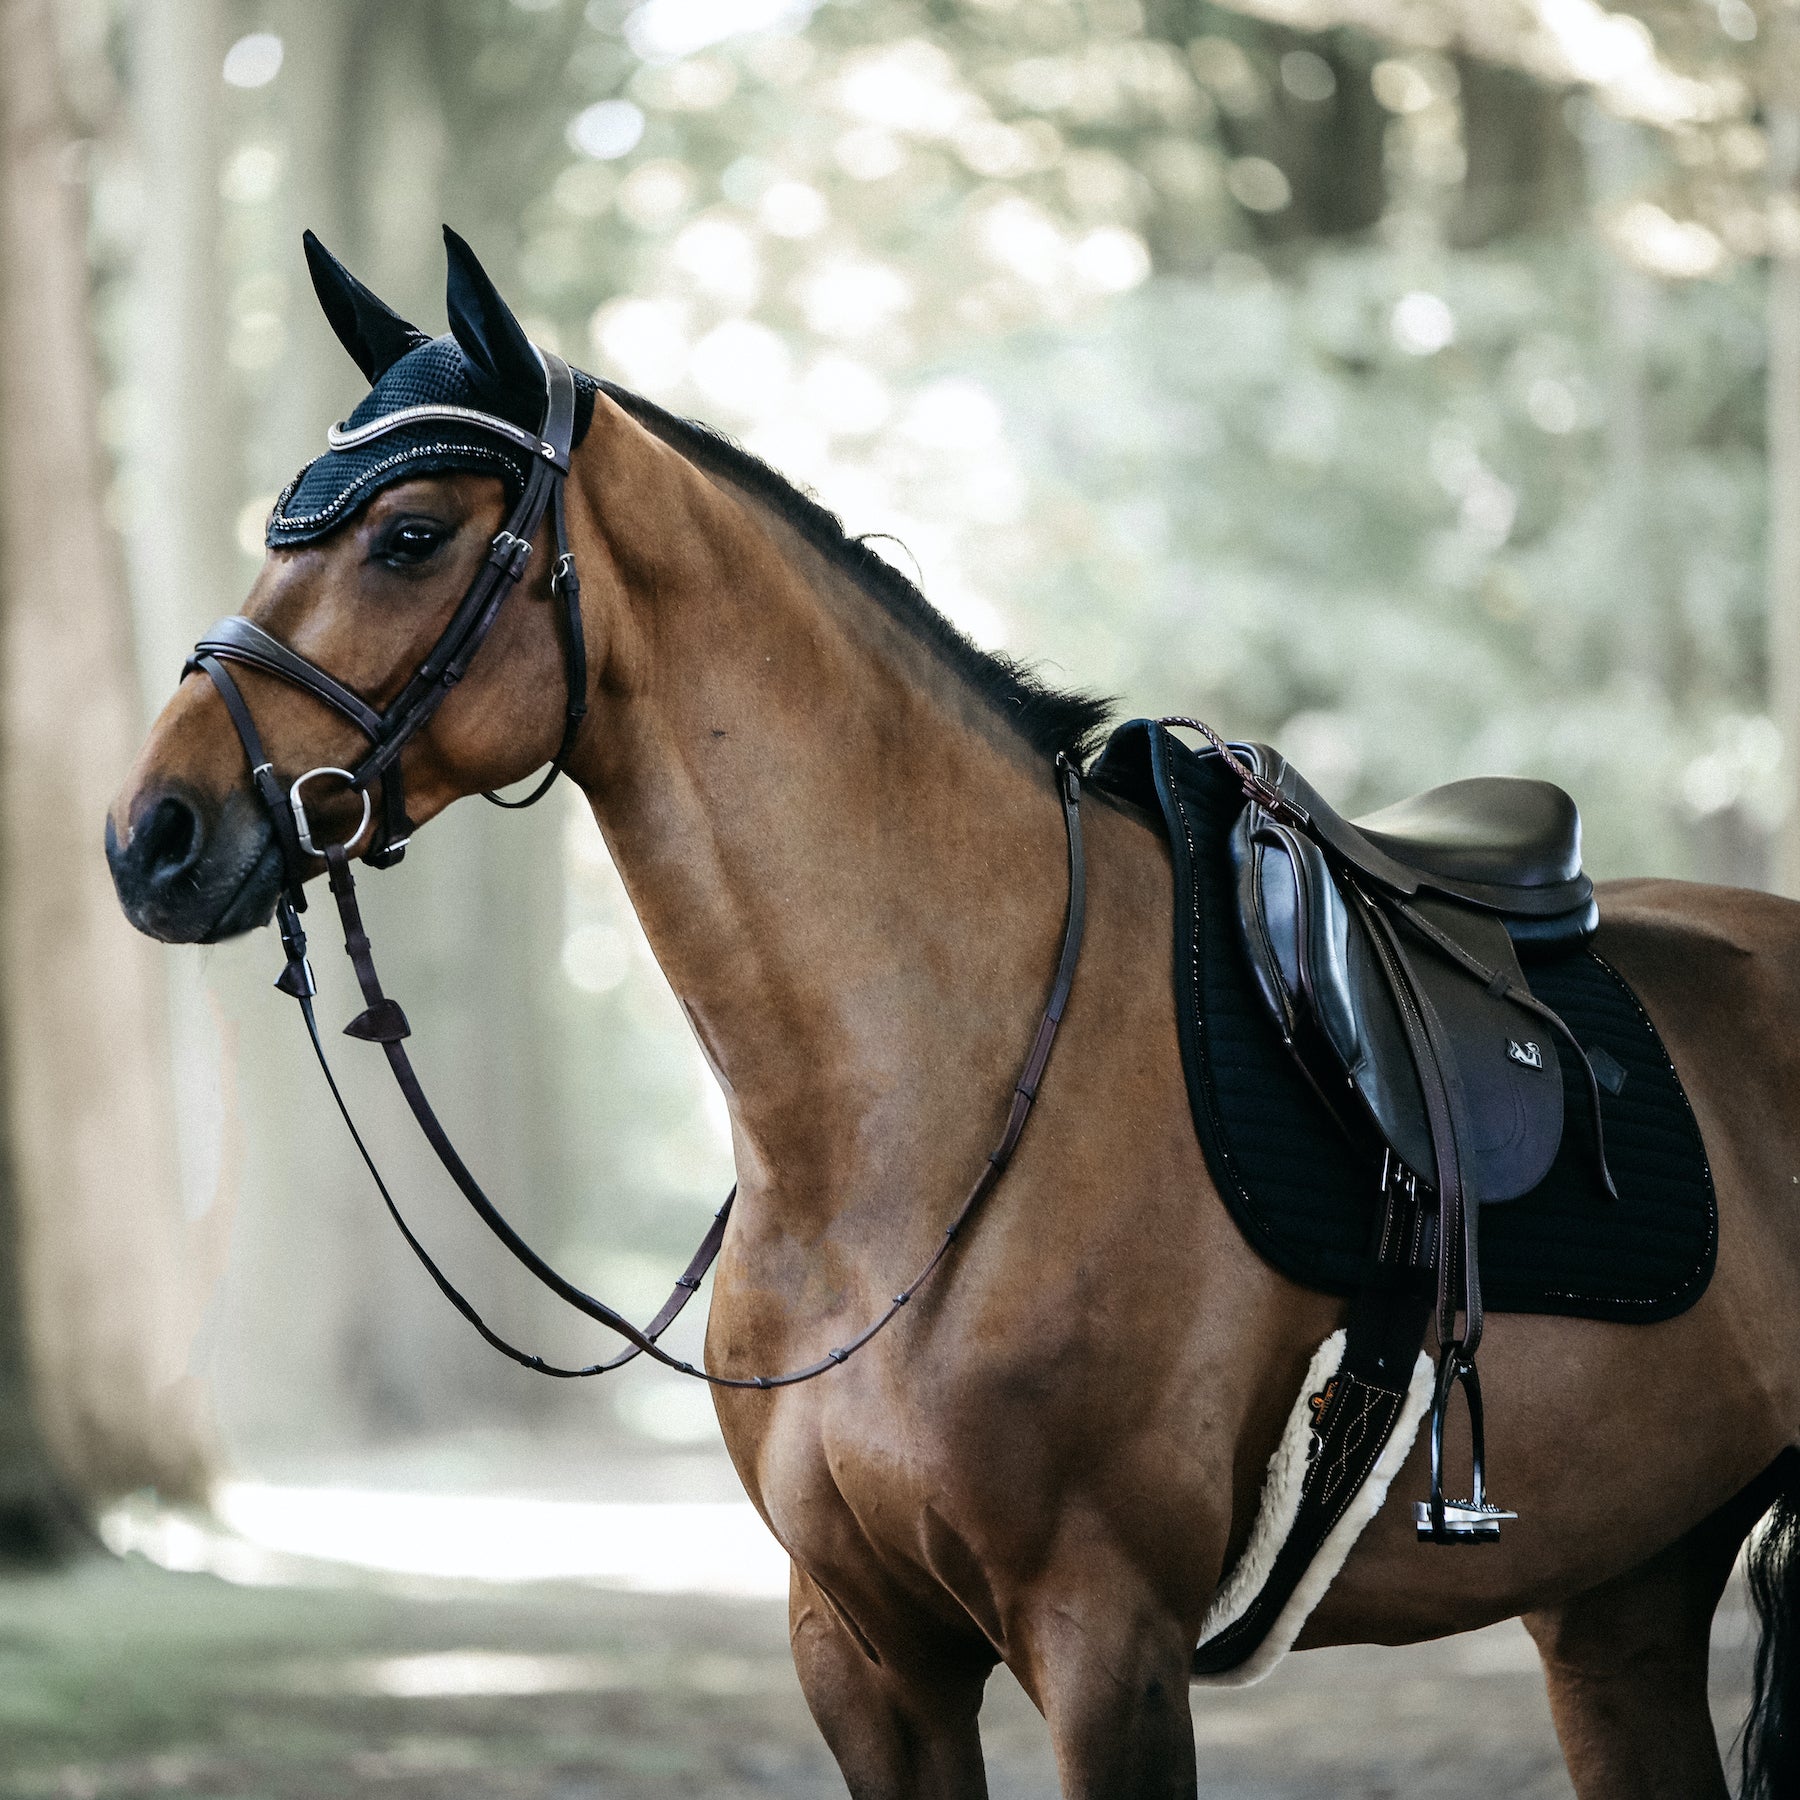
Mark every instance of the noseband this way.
pixel 382 1021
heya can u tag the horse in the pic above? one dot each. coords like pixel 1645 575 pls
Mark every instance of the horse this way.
pixel 838 821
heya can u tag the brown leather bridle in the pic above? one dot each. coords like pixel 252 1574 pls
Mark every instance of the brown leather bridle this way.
pixel 382 1020
pixel 390 730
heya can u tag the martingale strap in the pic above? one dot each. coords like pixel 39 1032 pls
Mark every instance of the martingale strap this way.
pixel 384 1022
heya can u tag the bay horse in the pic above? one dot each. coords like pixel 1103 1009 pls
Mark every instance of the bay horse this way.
pixel 839 825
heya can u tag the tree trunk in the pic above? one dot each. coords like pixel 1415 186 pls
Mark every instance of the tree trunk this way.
pixel 94 1236
pixel 474 919
pixel 1783 404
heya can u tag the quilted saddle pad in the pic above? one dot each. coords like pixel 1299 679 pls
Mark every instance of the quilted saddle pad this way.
pixel 1305 1200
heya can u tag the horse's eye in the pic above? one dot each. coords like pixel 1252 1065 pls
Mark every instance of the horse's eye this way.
pixel 409 542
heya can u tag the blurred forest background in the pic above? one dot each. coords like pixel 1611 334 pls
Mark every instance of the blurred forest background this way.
pixel 1414 383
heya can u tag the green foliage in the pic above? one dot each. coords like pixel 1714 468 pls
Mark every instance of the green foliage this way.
pixel 1370 392
pixel 1248 498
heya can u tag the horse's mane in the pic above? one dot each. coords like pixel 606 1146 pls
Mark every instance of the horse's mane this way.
pixel 1050 719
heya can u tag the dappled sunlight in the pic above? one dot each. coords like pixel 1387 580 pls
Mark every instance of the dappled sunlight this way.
pixel 263 1534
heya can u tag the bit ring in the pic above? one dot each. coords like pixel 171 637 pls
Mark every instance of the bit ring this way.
pixel 298 807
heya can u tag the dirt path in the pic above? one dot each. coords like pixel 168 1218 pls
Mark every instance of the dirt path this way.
pixel 118 1680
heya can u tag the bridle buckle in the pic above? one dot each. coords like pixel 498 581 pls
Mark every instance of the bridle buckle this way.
pixel 511 553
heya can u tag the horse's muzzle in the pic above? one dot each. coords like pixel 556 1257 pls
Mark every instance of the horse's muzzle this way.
pixel 190 872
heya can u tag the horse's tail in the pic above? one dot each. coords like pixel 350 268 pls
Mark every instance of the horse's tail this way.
pixel 1771 1740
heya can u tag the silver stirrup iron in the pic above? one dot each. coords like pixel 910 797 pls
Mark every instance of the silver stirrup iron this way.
pixel 1475 1520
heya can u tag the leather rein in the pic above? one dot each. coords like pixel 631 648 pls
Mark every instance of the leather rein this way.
pixel 382 1021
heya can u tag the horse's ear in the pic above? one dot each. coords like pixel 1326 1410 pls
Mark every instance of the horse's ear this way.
pixel 499 353
pixel 374 334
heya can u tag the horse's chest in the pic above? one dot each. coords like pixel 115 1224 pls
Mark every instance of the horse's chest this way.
pixel 868 1490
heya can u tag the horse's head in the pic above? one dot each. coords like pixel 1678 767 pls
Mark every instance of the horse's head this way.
pixel 374 552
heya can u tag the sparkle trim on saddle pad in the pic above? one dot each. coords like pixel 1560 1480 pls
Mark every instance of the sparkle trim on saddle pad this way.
pixel 1344 1505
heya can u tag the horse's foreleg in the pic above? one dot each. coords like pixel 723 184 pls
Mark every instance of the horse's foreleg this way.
pixel 898 1733
pixel 1111 1679
pixel 1626 1663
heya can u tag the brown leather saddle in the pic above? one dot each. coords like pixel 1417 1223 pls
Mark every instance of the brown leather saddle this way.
pixel 1388 953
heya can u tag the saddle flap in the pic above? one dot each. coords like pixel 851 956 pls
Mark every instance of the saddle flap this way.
pixel 1322 984
pixel 1503 1076
pixel 1326 986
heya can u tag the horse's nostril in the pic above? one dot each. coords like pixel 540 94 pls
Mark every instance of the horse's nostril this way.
pixel 169 841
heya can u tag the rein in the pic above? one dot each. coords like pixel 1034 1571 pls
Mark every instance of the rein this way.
pixel 383 1021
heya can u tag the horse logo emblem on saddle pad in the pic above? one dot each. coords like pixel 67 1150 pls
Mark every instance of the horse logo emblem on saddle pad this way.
pixel 1527 1055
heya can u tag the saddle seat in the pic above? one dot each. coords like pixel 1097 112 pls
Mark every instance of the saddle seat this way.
pixel 1502 844
pixel 1494 831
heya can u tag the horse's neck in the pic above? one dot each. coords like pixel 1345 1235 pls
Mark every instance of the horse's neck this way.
pixel 850 874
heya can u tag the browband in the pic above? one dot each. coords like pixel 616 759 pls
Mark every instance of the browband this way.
pixel 348 437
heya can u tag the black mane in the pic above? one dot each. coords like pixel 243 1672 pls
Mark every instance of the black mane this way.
pixel 1049 719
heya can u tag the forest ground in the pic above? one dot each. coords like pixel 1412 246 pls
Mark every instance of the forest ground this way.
pixel 120 1680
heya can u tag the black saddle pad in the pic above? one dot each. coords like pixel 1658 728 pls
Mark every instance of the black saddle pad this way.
pixel 1304 1199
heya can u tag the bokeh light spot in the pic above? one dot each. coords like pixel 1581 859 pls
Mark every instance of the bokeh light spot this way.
pixel 252 174
pixel 595 958
pixel 1308 76
pixel 661 30
pixel 253 61
pixel 1257 185
pixel 1422 324
pixel 793 209
pixel 742 366
pixel 643 341
pixel 846 395
pixel 606 130
pixel 1112 259
pixel 655 194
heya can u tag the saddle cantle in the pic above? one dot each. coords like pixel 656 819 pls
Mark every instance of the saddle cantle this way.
pixel 1386 952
